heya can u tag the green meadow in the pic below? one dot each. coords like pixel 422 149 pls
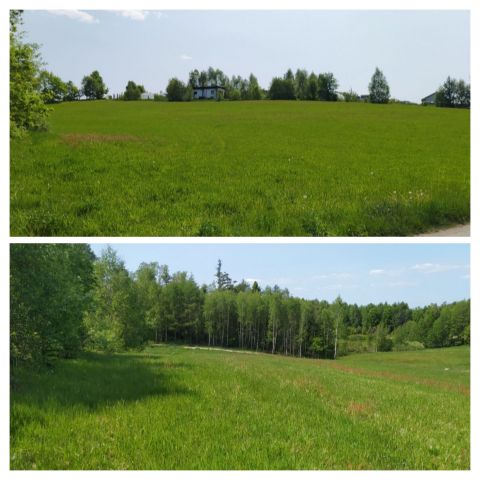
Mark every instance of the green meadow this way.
pixel 171 407
pixel 264 168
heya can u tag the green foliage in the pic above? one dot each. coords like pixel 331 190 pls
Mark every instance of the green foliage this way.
pixel 382 341
pixel 27 108
pixel 463 94
pixel 52 88
pixel 378 88
pixel 234 94
pixel 177 91
pixel 242 169
pixel 114 321
pixel 282 89
pixel 181 309
pixel 93 86
pixel 453 93
pixel 301 84
pixel 171 408
pixel 50 290
pixel 408 346
pixel 351 96
pixel 254 90
pixel 121 310
pixel 133 91
pixel 312 87
pixel 327 86
pixel 72 92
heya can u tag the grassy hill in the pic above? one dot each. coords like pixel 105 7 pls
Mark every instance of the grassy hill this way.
pixel 241 168
pixel 178 408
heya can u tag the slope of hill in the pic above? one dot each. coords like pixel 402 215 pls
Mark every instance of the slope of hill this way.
pixel 177 408
pixel 242 168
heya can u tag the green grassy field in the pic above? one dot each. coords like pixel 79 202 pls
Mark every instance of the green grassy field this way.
pixel 241 168
pixel 177 408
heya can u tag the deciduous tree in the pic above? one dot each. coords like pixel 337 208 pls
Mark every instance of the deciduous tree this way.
pixel 27 107
pixel 93 86
pixel 327 87
pixel 378 88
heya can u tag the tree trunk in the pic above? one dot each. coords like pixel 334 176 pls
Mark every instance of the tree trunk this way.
pixel 336 338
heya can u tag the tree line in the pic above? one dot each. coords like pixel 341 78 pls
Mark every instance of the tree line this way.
pixel 299 86
pixel 64 300
pixel 32 88
pixel 54 90
pixel 453 94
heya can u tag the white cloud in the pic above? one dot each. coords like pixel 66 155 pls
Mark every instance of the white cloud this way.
pixel 184 56
pixel 376 271
pixel 138 15
pixel 434 267
pixel 79 15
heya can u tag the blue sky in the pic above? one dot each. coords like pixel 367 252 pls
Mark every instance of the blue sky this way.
pixel 416 273
pixel 416 50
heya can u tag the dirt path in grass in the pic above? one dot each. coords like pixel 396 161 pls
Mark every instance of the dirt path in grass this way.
pixel 221 350
pixel 456 231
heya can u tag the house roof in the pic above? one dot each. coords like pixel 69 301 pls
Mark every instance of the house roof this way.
pixel 209 86
pixel 429 96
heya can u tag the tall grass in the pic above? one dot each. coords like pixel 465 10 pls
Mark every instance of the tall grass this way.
pixel 177 408
pixel 241 168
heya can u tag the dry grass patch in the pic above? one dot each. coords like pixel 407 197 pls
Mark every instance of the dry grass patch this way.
pixel 75 139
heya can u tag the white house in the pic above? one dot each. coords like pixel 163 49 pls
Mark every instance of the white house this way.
pixel 146 96
pixel 429 99
pixel 209 91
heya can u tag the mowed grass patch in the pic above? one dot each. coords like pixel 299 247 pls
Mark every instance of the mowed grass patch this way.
pixel 241 168
pixel 176 408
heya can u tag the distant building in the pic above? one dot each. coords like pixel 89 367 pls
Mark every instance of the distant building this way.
pixel 364 98
pixel 209 91
pixel 429 99
pixel 146 96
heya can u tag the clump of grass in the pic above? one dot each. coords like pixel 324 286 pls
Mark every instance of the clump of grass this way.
pixel 241 168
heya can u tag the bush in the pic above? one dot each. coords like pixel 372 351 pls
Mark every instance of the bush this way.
pixel 407 346
pixel 384 345
pixel 351 96
pixel 177 91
